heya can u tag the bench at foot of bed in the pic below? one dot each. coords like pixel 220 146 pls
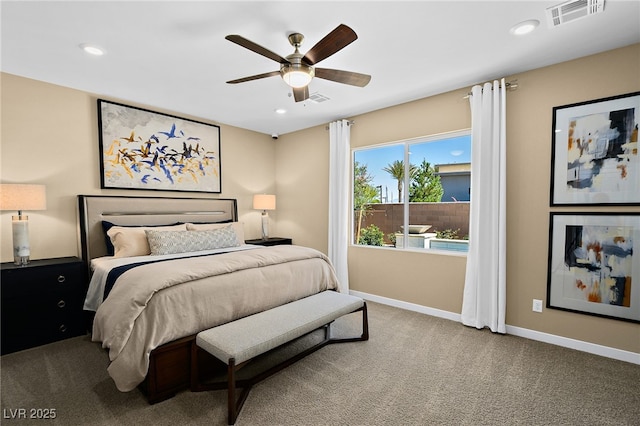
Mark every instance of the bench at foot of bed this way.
pixel 237 342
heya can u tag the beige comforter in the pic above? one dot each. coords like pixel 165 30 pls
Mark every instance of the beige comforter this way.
pixel 157 303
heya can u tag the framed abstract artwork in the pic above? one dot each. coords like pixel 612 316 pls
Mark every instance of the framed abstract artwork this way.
pixel 142 149
pixel 594 264
pixel 594 159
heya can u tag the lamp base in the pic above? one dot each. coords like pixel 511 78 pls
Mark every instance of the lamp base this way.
pixel 20 231
pixel 265 225
pixel 21 260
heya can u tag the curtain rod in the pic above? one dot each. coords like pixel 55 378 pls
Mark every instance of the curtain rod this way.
pixel 349 123
pixel 510 85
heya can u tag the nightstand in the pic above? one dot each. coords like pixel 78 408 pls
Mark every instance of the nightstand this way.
pixel 41 302
pixel 271 241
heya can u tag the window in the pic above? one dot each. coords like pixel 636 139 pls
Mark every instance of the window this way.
pixel 414 194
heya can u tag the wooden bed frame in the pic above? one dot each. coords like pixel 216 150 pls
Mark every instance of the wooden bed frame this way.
pixel 170 364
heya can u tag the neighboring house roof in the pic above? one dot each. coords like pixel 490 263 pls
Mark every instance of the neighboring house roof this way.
pixel 453 168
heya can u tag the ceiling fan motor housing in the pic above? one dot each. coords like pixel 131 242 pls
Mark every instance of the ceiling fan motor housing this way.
pixel 296 39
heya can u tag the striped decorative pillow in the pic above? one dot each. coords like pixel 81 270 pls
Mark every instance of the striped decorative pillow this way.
pixel 169 242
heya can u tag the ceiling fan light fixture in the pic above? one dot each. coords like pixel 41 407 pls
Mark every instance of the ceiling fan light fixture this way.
pixel 297 75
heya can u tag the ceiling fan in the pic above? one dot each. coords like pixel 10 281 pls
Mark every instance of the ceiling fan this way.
pixel 297 70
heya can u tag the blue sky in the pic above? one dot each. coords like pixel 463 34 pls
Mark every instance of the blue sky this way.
pixel 441 151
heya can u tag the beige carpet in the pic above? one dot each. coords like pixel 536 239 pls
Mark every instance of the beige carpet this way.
pixel 415 370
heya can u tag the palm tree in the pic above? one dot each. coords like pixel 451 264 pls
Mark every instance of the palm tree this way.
pixel 396 170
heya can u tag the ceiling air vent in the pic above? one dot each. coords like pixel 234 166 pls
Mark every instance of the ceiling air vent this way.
pixel 318 98
pixel 572 10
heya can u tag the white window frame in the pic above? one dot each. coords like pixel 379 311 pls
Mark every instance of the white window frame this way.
pixel 407 143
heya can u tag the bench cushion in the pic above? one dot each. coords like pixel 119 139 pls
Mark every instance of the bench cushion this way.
pixel 256 334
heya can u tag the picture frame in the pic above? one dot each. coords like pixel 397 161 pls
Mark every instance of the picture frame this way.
pixel 593 264
pixel 594 158
pixel 147 150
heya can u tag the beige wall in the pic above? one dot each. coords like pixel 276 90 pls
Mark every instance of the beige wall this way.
pixel 529 157
pixel 437 281
pixel 50 135
pixel 302 176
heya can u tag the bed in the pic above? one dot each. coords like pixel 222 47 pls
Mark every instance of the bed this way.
pixel 151 301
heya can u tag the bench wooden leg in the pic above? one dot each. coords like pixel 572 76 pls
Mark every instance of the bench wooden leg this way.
pixel 365 329
pixel 234 405
pixel 365 322
pixel 231 392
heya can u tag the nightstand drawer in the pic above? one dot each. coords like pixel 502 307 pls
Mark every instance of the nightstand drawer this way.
pixel 38 280
pixel 41 302
pixel 39 323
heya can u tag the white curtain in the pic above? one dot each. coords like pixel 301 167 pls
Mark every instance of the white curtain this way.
pixel 339 197
pixel 484 298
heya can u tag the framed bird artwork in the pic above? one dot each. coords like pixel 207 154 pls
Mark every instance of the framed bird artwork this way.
pixel 143 149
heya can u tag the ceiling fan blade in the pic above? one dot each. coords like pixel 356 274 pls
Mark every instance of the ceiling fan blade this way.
pixel 301 93
pixel 344 77
pixel 334 41
pixel 254 77
pixel 248 44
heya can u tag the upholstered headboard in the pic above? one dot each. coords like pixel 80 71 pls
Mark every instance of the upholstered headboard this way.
pixel 125 210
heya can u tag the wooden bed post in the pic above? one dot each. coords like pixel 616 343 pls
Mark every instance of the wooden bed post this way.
pixel 195 374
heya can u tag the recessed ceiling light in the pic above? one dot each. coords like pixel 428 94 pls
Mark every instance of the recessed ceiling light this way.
pixel 280 111
pixel 524 27
pixel 92 49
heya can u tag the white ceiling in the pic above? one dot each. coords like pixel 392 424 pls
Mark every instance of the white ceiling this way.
pixel 172 55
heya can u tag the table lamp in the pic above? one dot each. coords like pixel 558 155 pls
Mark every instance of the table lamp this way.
pixel 264 202
pixel 21 197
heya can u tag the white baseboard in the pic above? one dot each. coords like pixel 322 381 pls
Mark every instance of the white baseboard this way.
pixel 579 345
pixel 553 339
pixel 408 306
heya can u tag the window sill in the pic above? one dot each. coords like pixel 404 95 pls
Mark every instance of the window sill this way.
pixel 412 250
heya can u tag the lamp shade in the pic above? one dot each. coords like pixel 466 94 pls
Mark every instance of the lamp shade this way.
pixel 264 202
pixel 20 197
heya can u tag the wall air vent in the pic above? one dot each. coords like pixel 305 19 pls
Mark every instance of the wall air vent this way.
pixel 318 98
pixel 572 10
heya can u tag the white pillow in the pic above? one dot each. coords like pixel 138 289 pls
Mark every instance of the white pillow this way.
pixel 132 241
pixel 170 242
pixel 237 226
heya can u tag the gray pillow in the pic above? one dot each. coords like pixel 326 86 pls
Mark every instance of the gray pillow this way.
pixel 170 242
